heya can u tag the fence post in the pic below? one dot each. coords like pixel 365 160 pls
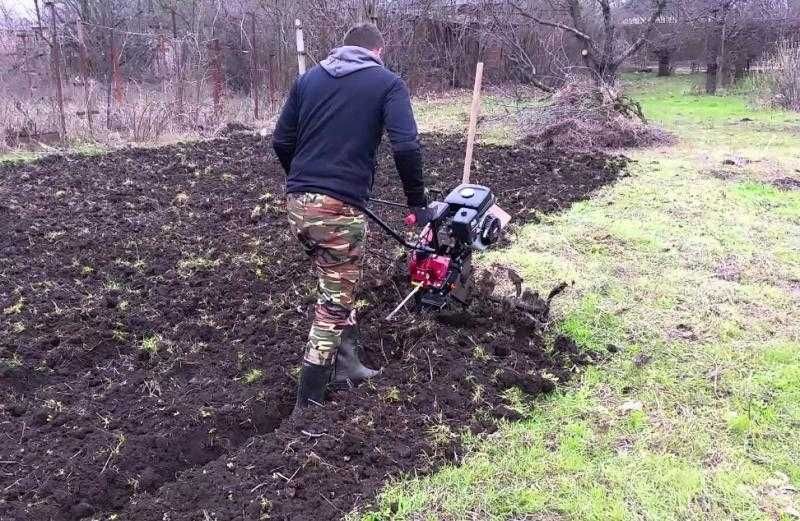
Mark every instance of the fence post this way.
pixel 271 78
pixel 180 69
pixel 110 74
pixel 301 47
pixel 217 77
pixel 57 71
pixel 372 13
pixel 110 89
pixel 39 27
pixel 174 25
pixel 85 75
pixel 255 84
pixel 116 74
pixel 158 59
pixel 114 92
pixel 27 64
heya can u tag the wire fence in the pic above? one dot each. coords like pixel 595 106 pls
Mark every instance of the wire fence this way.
pixel 56 85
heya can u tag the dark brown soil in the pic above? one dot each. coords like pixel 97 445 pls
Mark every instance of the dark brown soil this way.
pixel 787 183
pixel 153 312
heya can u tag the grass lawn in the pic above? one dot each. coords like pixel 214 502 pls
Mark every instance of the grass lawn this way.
pixel 23 155
pixel 691 268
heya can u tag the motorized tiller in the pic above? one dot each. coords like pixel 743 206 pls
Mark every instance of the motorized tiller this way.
pixel 467 220
pixel 440 263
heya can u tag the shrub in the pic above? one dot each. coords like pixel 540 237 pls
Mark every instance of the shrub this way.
pixel 780 82
pixel 147 116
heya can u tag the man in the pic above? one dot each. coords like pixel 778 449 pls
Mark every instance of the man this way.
pixel 326 139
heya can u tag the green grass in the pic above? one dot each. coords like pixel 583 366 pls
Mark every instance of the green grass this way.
pixel 697 271
pixel 22 155
pixel 253 376
pixel 451 115
pixel 89 149
pixel 591 327
pixel 18 157
pixel 151 345
pixel 720 123
pixel 767 198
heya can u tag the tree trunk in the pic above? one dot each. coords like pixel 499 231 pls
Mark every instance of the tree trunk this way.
pixel 739 72
pixel 664 68
pixel 722 59
pixel 604 77
pixel 610 74
pixel 603 73
pixel 711 78
pixel 727 71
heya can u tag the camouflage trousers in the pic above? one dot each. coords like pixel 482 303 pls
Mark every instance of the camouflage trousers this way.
pixel 332 234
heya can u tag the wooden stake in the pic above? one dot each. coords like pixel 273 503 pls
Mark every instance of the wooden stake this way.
pixel 116 74
pixel 178 64
pixel 85 74
pixel 174 25
pixel 57 71
pixel 110 88
pixel 473 121
pixel 26 55
pixel 372 13
pixel 271 79
pixel 255 82
pixel 301 47
pixel 218 79
pixel 39 27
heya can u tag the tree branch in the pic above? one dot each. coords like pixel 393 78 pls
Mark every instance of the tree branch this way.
pixel 658 10
pixel 500 32
pixel 541 86
pixel 558 25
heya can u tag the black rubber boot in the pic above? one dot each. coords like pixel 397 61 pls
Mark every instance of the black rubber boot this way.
pixel 313 383
pixel 349 371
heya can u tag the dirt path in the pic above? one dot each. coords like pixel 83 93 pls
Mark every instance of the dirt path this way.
pixel 154 309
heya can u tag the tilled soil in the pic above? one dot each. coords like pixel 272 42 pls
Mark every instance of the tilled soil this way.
pixel 154 310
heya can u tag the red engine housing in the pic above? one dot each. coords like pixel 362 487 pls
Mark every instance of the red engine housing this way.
pixel 428 270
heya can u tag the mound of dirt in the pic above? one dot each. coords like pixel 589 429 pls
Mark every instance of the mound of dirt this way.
pixel 154 309
pixel 584 117
pixel 233 128
pixel 787 183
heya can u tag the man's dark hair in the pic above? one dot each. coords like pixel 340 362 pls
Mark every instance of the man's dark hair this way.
pixel 365 35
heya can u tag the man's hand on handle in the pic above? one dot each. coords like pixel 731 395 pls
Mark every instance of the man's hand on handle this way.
pixel 419 216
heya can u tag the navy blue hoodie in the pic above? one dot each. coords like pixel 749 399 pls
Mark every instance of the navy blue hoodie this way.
pixel 332 123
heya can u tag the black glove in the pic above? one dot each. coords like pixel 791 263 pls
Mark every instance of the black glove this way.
pixel 423 215
pixel 285 155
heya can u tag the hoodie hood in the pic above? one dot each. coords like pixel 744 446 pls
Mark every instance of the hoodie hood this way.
pixel 349 59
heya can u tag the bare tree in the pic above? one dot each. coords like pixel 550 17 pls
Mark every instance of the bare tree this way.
pixel 603 51
pixel 536 57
